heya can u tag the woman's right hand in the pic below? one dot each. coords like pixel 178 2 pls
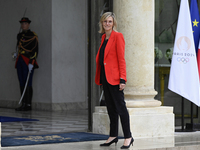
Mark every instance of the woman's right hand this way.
pixel 122 86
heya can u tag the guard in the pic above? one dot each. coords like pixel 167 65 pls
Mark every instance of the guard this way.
pixel 27 42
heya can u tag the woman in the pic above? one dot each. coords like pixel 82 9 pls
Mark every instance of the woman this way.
pixel 111 73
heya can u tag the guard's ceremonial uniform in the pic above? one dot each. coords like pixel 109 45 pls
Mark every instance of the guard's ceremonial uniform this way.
pixel 27 42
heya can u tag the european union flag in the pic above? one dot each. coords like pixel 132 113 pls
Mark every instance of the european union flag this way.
pixel 194 12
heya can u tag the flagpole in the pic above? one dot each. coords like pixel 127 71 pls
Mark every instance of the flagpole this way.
pixel 193 127
pixel 192 115
pixel 190 126
pixel 182 117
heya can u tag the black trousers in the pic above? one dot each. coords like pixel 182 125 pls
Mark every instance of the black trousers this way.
pixel 116 107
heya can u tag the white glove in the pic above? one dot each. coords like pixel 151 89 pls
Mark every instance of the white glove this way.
pixel 30 67
pixel 14 55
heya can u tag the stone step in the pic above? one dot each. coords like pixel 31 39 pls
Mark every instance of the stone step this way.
pixel 189 147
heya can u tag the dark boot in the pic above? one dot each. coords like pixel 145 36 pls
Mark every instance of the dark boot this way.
pixel 29 94
pixel 29 97
pixel 23 100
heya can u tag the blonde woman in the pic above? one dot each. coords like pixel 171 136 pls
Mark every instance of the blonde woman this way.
pixel 111 73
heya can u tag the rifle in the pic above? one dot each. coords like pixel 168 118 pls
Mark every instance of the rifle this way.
pixel 14 54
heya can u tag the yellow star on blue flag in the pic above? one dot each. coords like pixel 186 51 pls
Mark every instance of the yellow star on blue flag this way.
pixel 195 23
pixel 194 12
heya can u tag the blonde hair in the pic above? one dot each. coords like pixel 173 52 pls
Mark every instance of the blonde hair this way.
pixel 103 18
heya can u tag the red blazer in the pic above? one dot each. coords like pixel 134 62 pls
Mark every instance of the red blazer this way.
pixel 114 61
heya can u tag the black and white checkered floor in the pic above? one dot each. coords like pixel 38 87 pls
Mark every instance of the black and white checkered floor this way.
pixel 49 122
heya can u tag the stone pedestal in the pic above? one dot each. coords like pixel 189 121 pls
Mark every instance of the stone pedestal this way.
pixel 145 122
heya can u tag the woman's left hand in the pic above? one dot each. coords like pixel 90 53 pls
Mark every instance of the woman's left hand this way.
pixel 121 86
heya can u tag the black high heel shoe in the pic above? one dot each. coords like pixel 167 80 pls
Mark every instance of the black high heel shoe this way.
pixel 126 147
pixel 115 140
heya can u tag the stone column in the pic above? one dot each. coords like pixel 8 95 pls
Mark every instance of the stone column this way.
pixel 147 118
pixel 136 22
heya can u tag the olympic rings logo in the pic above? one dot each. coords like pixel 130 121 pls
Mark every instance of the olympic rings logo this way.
pixel 182 60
